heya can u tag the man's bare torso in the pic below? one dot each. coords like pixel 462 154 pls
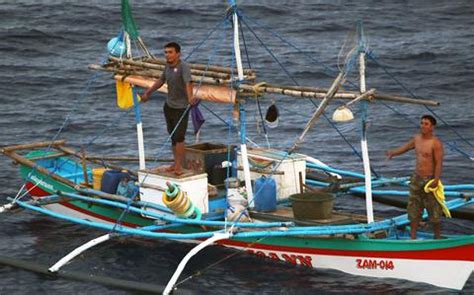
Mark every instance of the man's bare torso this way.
pixel 424 149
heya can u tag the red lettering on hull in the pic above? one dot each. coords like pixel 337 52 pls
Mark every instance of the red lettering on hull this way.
pixel 375 264
pixel 291 258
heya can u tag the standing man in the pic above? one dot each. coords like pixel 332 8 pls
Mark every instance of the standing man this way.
pixel 177 75
pixel 429 162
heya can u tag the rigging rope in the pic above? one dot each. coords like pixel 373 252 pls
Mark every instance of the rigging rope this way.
pixel 348 64
pixel 412 94
pixel 259 107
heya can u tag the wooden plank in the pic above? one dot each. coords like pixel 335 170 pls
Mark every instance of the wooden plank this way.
pixel 126 159
pixel 32 145
pixel 262 171
pixel 46 172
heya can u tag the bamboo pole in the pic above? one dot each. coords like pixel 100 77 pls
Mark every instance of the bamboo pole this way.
pixel 104 195
pixel 31 164
pixel 160 67
pixel 304 92
pixel 262 171
pixel 52 156
pixel 72 152
pixel 126 159
pixel 84 166
pixel 156 74
pixel 348 94
pixel 202 67
pixel 32 145
pixel 402 99
pixel 319 111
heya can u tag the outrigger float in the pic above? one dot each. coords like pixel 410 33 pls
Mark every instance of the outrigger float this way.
pixel 255 211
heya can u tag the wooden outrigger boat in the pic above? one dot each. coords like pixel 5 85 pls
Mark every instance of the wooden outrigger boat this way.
pixel 60 182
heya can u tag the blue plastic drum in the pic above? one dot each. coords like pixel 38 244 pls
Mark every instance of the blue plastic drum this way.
pixel 265 194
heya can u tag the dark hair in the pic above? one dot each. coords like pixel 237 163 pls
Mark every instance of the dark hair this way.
pixel 174 45
pixel 430 118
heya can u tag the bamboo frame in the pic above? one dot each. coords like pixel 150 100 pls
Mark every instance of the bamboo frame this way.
pixel 201 67
pixel 255 90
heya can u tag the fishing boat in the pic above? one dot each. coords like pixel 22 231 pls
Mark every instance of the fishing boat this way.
pixel 248 199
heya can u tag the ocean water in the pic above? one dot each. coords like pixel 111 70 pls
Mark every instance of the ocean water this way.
pixel 45 50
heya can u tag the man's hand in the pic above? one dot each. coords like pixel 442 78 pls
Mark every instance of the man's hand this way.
pixel 193 101
pixel 145 97
pixel 389 154
pixel 434 184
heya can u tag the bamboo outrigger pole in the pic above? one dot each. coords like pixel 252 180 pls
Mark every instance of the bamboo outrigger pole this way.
pixel 320 110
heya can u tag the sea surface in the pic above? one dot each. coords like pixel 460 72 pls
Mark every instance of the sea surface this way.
pixel 47 92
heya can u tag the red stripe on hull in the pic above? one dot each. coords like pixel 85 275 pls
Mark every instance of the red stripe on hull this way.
pixel 461 253
pixel 38 192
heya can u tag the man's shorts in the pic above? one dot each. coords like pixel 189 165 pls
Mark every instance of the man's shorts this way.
pixel 419 200
pixel 173 117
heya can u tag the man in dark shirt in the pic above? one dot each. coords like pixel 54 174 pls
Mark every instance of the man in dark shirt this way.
pixel 177 75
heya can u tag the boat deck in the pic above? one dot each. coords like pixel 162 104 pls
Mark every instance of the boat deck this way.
pixel 284 213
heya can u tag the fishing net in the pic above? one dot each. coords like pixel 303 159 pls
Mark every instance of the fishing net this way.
pixel 128 21
pixel 354 43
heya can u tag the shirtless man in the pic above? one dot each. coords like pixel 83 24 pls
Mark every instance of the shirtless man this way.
pixel 429 162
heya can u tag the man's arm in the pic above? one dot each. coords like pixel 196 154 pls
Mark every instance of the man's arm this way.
pixel 188 80
pixel 189 90
pixel 401 150
pixel 153 88
pixel 438 152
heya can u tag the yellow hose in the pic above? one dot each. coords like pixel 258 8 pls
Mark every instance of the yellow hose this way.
pixel 179 202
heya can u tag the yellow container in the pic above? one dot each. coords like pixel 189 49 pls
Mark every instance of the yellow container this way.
pixel 97 177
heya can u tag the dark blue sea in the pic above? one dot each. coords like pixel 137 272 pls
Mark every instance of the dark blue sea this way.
pixel 47 88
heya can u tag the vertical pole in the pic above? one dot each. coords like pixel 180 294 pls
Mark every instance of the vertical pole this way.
pixel 128 45
pixel 243 144
pixel 138 120
pixel 363 141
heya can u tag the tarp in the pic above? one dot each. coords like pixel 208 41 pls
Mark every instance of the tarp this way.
pixel 213 93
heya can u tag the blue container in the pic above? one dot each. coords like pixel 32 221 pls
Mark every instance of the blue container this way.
pixel 116 47
pixel 265 197
pixel 111 179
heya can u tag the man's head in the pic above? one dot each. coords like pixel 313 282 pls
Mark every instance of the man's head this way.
pixel 427 124
pixel 172 52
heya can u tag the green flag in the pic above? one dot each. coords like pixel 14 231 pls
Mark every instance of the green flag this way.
pixel 128 21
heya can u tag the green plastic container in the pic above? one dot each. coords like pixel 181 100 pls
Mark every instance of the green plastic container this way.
pixel 312 205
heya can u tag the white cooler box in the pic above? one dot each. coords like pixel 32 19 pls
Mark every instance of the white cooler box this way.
pixel 288 183
pixel 195 185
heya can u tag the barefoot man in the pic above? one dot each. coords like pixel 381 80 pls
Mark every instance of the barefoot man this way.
pixel 429 162
pixel 177 75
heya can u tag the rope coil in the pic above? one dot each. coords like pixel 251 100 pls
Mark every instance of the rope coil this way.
pixel 179 202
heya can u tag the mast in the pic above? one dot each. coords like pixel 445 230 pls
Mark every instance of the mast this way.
pixel 240 74
pixel 138 120
pixel 363 140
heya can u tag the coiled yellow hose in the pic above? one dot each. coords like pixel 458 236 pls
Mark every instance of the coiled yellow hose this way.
pixel 177 200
